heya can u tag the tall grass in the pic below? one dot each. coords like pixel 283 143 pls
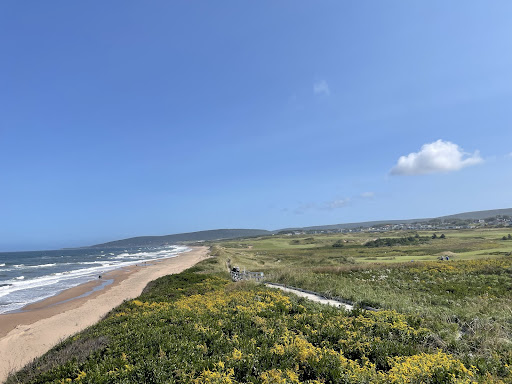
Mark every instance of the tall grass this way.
pixel 467 303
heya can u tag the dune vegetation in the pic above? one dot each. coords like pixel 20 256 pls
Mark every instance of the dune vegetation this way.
pixel 438 321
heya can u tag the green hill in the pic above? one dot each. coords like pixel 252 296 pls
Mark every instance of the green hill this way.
pixel 476 215
pixel 156 241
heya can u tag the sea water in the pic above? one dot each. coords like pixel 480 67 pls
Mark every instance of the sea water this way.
pixel 27 277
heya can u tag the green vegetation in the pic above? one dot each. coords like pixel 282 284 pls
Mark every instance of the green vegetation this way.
pixel 277 252
pixel 390 242
pixel 465 301
pixel 209 330
pixel 338 244
pixel 307 240
pixel 439 321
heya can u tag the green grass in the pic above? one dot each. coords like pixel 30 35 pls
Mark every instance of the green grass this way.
pixel 275 251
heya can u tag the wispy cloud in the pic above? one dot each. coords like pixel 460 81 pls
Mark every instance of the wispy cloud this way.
pixel 335 204
pixel 439 156
pixel 367 195
pixel 321 88
pixel 325 206
pixel 330 205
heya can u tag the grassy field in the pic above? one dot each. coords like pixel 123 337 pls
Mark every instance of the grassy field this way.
pixel 466 301
pixel 276 251
pixel 439 321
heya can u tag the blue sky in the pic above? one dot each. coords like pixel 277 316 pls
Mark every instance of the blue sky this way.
pixel 127 118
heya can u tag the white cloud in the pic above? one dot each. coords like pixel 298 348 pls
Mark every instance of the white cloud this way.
pixel 439 156
pixel 368 195
pixel 321 88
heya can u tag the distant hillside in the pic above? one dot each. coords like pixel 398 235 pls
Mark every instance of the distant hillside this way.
pixel 156 241
pixel 218 234
pixel 363 224
pixel 475 215
pixel 479 214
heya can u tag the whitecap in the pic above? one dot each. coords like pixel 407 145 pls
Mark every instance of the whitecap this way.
pixel 21 266
pixel 41 265
pixel 53 283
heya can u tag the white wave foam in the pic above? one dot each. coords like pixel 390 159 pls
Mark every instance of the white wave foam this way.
pixel 53 283
pixel 2 265
pixel 23 266
pixel 102 262
pixel 18 284
pixel 11 306
pixel 153 254
pixel 41 265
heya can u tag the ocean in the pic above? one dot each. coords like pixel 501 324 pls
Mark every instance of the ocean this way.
pixel 28 277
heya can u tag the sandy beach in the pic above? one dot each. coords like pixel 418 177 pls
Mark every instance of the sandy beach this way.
pixel 30 333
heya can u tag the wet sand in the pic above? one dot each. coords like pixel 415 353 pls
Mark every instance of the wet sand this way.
pixel 29 333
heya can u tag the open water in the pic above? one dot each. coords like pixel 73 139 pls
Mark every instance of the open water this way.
pixel 28 277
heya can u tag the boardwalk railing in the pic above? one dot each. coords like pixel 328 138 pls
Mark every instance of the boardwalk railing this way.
pixel 239 276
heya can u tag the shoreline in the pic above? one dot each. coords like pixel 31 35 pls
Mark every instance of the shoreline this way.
pixel 37 327
pixel 73 297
